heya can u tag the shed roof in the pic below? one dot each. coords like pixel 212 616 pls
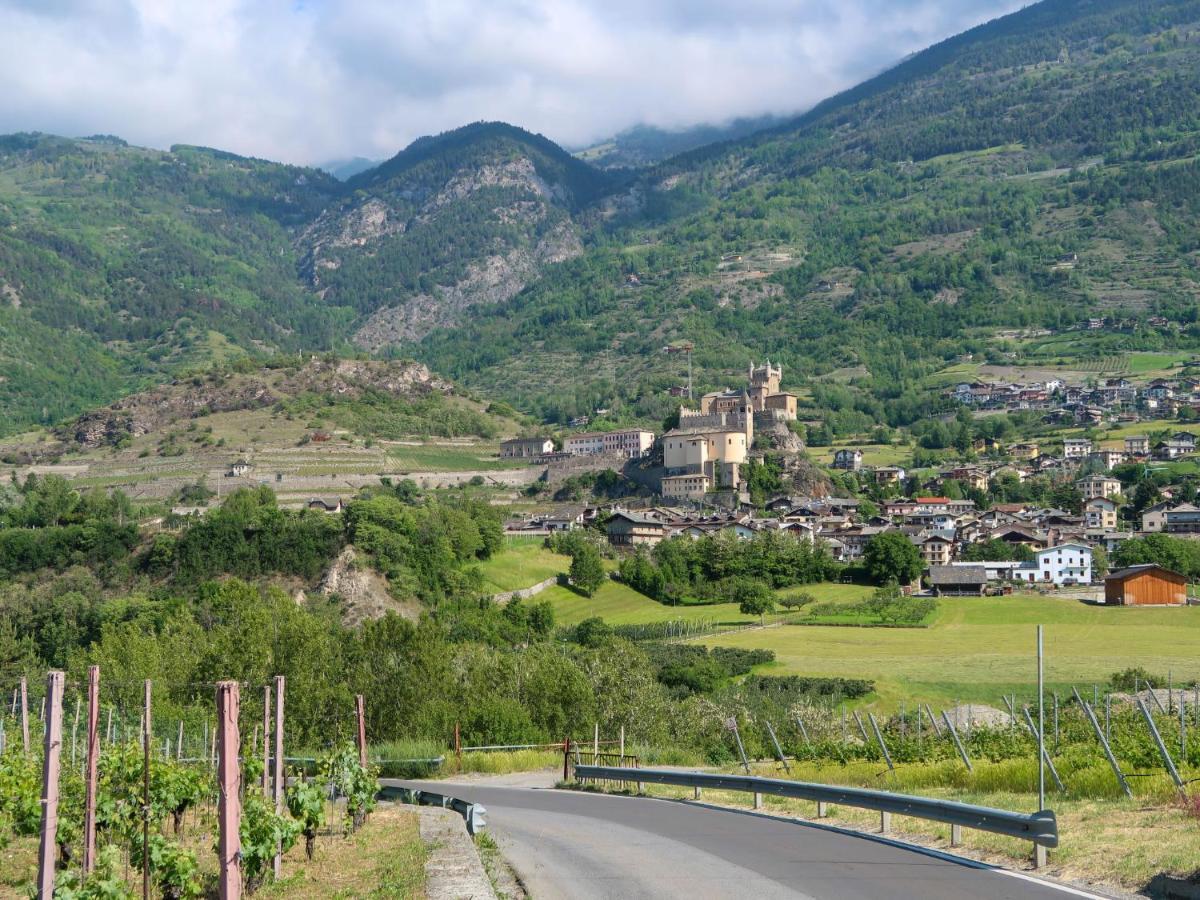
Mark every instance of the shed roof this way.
pixel 957 575
pixel 1130 571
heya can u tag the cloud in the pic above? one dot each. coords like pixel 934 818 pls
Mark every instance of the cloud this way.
pixel 315 80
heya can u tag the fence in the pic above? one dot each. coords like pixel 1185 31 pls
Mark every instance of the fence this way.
pixel 1040 828
pixel 223 748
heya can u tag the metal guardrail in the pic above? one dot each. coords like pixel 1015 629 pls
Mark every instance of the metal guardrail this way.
pixel 474 814
pixel 1041 827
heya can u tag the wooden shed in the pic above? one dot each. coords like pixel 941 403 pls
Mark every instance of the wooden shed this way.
pixel 958 581
pixel 1145 585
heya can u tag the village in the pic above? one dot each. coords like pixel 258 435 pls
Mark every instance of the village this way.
pixel 969 541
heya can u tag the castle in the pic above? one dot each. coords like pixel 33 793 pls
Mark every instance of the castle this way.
pixel 706 452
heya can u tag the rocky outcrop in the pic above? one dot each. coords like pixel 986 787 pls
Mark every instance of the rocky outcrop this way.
pixel 493 279
pixel 155 410
pixel 364 592
pixel 502 205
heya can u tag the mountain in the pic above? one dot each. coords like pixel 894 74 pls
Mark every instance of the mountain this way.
pixel 466 218
pixel 345 169
pixel 924 217
pixel 973 204
pixel 119 265
pixel 644 145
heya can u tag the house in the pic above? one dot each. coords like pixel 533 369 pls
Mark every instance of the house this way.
pixel 1076 448
pixel 958 581
pixel 325 504
pixel 1026 450
pixel 1154 518
pixel 1018 534
pixel 848 458
pixel 632 529
pixel 239 469
pixel 1064 564
pixel 1108 458
pixel 937 547
pixel 1159 389
pixel 886 475
pixel 972 476
pixel 1137 445
pixel 631 443
pixel 1098 486
pixel 1173 448
pixel 1100 512
pixel 1183 519
pixel 1185 440
pixel 691 486
pixel 526 448
pixel 1145 585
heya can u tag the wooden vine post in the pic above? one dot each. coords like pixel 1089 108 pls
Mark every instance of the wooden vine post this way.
pixel 24 715
pixel 266 732
pixel 229 808
pixel 147 732
pixel 91 765
pixel 48 846
pixel 360 714
pixel 279 687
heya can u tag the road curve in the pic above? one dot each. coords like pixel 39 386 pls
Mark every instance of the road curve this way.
pixel 567 844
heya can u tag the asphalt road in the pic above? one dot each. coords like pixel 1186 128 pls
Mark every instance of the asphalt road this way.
pixel 581 846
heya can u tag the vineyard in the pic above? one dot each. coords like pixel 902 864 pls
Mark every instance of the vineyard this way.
pixel 147 811
pixel 1115 364
pixel 1144 743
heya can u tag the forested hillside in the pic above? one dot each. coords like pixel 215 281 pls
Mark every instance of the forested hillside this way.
pixel 1011 181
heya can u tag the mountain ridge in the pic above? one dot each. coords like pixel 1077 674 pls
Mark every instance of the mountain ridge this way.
pixel 892 228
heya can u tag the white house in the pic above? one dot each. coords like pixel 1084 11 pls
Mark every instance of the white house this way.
pixel 1076 448
pixel 1060 565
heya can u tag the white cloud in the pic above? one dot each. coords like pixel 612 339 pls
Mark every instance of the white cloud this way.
pixel 305 82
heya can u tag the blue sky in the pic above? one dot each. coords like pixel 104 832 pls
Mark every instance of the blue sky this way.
pixel 320 80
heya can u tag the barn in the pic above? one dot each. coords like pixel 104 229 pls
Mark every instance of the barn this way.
pixel 958 581
pixel 1145 585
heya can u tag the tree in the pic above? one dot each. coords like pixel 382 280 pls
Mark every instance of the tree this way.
pixel 754 598
pixel 891 556
pixel 1099 562
pixel 587 571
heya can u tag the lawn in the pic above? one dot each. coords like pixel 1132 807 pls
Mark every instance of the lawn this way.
pixel 978 648
pixel 621 605
pixel 522 563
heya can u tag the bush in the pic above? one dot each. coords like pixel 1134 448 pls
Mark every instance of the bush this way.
pixel 1135 678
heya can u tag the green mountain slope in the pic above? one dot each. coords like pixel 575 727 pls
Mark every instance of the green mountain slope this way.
pixel 982 198
pixel 465 218
pixel 892 229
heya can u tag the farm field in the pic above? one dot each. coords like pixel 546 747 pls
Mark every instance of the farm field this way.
pixel 448 458
pixel 873 454
pixel 978 648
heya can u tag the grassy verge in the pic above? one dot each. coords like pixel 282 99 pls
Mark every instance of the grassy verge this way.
pixel 385 858
pixel 1120 843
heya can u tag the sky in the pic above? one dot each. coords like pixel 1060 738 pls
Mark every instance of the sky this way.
pixel 309 81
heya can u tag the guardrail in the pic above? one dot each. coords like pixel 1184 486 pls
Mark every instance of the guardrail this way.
pixel 474 814
pixel 1041 828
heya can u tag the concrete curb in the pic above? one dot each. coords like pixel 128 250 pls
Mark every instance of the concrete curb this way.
pixel 453 870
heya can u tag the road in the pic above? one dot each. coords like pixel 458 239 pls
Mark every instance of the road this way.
pixel 581 846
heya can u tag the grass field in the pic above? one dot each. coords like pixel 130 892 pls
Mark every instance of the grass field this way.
pixel 520 565
pixel 621 605
pixel 978 648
